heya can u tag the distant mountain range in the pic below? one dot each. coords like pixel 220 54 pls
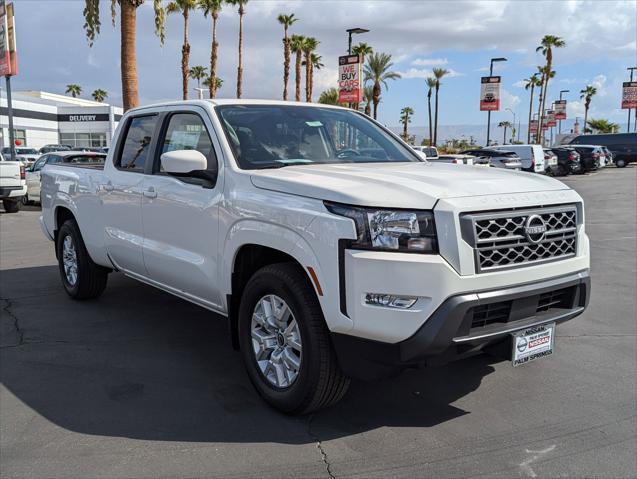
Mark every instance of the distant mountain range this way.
pixel 479 132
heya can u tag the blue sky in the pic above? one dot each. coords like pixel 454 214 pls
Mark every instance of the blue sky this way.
pixel 459 35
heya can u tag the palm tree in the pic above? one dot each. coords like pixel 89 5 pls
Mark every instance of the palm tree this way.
pixel 531 83
pixel 438 74
pixel 368 98
pixel 183 7
pixel 217 83
pixel 212 8
pixel 99 95
pixel 329 97
pixel 362 49
pixel 315 64
pixel 378 71
pixel 505 125
pixel 431 84
pixel 297 43
pixel 548 43
pixel 405 118
pixel 198 72
pixel 286 21
pixel 241 4
pixel 601 125
pixel 128 35
pixel 587 94
pixel 309 45
pixel 74 90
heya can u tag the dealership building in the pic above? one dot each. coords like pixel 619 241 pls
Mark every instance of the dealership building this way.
pixel 41 118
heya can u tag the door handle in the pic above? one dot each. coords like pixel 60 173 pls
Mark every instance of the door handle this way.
pixel 108 187
pixel 150 192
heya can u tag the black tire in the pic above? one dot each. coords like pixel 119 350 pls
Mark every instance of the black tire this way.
pixel 91 278
pixel 24 200
pixel 320 381
pixel 12 206
pixel 621 163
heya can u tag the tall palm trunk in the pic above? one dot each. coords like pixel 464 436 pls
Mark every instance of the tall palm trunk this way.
pixel 436 118
pixel 240 67
pixel 297 67
pixel 528 136
pixel 286 63
pixel 185 58
pixel 540 111
pixel 430 125
pixel 504 136
pixel 308 73
pixel 405 128
pixel 130 94
pixel 213 57
pixel 586 107
pixel 311 80
pixel 547 76
pixel 376 98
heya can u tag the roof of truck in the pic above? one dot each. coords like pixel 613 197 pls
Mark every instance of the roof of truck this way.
pixel 235 101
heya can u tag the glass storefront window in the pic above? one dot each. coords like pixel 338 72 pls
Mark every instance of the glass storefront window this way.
pixel 83 140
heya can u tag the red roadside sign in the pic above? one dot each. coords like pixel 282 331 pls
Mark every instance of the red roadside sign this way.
pixel 490 93
pixel 8 53
pixel 560 110
pixel 550 118
pixel 533 127
pixel 350 82
pixel 629 95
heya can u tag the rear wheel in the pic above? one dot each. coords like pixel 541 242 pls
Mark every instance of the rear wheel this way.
pixel 285 343
pixel 620 163
pixel 12 206
pixel 81 277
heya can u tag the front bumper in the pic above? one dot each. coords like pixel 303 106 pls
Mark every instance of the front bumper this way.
pixel 452 331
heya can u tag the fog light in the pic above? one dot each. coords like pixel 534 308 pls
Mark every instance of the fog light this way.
pixel 390 301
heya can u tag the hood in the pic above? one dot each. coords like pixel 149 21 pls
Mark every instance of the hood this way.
pixel 398 185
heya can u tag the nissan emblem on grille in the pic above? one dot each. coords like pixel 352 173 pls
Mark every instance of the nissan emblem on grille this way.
pixel 517 238
pixel 534 228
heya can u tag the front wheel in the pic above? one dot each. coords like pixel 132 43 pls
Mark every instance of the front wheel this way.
pixel 285 343
pixel 81 277
pixel 620 163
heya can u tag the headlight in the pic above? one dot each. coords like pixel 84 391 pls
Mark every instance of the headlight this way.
pixel 390 230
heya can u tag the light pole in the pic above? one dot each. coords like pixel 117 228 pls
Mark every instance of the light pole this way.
pixel 559 126
pixel 499 59
pixel 631 69
pixel 350 32
pixel 513 113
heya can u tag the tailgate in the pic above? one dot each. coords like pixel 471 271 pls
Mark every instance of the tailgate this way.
pixel 10 174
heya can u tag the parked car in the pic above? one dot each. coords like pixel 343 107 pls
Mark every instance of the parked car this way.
pixel 550 160
pixel 431 152
pixel 33 174
pixel 12 184
pixel 532 156
pixel 622 145
pixel 496 158
pixel 454 159
pixel 568 161
pixel 590 156
pixel 49 148
pixel 327 263
pixel 26 156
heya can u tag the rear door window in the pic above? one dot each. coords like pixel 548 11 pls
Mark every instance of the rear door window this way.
pixel 137 143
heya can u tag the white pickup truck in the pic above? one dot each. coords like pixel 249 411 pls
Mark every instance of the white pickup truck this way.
pixel 13 186
pixel 332 249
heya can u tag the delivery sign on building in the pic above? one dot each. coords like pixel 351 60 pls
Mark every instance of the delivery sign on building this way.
pixel 490 94
pixel 560 110
pixel 350 82
pixel 8 55
pixel 629 95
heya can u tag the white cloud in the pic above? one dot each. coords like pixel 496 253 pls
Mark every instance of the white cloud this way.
pixel 520 84
pixel 429 62
pixel 425 73
pixel 508 100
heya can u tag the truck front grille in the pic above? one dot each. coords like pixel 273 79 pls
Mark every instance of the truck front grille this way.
pixel 518 238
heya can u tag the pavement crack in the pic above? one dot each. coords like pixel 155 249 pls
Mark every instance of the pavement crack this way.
pixel 16 323
pixel 319 446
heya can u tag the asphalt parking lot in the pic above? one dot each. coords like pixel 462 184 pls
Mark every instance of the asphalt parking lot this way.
pixel 142 384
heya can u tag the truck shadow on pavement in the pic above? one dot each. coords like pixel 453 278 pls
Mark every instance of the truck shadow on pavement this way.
pixel 140 363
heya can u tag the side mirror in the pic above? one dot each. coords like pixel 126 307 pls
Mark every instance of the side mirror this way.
pixel 188 164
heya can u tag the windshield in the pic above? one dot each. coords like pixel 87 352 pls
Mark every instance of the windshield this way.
pixel 273 136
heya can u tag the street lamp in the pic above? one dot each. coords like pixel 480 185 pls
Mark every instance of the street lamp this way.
pixel 513 113
pixel 500 59
pixel 559 127
pixel 350 32
pixel 631 69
